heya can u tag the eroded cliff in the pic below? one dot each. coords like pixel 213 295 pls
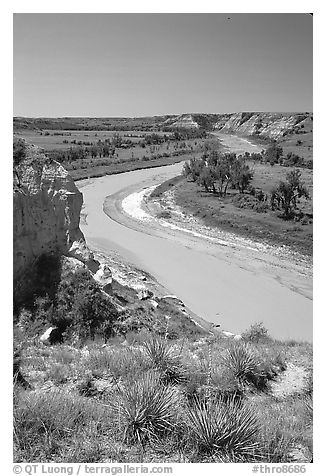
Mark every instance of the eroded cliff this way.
pixel 46 207
pixel 269 125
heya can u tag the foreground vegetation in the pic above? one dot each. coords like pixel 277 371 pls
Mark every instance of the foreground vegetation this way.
pixel 149 399
pixel 125 381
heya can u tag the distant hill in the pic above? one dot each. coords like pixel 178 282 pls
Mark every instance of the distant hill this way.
pixel 270 125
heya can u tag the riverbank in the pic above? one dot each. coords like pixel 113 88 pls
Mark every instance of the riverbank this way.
pixel 113 169
pixel 234 214
pixel 205 269
pixel 270 285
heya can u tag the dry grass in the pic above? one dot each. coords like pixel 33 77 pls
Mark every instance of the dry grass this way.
pixel 223 213
pixel 226 429
pixel 147 408
pixel 141 403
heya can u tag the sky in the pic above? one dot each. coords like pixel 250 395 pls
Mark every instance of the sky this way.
pixel 155 64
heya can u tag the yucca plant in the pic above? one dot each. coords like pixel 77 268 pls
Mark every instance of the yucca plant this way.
pixel 241 360
pixel 224 429
pixel 165 360
pixel 147 408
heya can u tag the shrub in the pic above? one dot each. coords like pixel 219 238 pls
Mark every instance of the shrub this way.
pixel 256 333
pixel 224 428
pixel 285 196
pixel 19 151
pixel 164 214
pixel 148 408
pixel 81 307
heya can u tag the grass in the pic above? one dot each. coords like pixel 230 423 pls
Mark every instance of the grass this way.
pixel 56 137
pixel 157 399
pixel 124 160
pixel 223 213
pixel 225 429
pixel 164 359
pixel 92 170
pixel 148 409
pixel 47 424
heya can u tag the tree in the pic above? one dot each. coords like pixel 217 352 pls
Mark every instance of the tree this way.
pixel 241 175
pixel 273 154
pixel 207 179
pixel 285 195
pixel 193 169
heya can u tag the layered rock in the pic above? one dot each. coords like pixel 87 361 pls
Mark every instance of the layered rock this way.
pixel 271 125
pixel 183 121
pixel 46 206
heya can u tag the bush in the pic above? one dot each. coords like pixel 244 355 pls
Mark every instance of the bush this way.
pixel 164 214
pixel 81 307
pixel 19 151
pixel 256 333
pixel 285 196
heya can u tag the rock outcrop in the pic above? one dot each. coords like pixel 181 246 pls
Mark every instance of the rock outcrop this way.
pixel 104 277
pixel 46 207
pixel 183 121
pixel 269 125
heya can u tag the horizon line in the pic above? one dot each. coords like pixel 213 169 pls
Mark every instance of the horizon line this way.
pixel 161 115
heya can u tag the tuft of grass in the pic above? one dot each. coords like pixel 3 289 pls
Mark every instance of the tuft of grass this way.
pixel 248 369
pixel 86 387
pixel 46 423
pixel 241 360
pixel 286 425
pixel 220 428
pixel 58 373
pixel 165 360
pixel 147 408
pixel 118 362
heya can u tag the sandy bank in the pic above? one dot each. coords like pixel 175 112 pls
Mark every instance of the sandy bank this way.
pixel 224 283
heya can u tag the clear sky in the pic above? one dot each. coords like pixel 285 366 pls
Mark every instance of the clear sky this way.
pixel 153 64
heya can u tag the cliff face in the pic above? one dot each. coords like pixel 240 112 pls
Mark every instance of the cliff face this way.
pixel 269 125
pixel 47 207
pixel 183 121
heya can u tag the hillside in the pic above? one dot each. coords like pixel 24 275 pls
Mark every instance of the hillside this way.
pixel 264 124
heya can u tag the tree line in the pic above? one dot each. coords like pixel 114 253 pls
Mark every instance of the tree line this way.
pixel 218 172
pixel 274 154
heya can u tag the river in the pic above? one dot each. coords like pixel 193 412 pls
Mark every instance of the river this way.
pixel 233 286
